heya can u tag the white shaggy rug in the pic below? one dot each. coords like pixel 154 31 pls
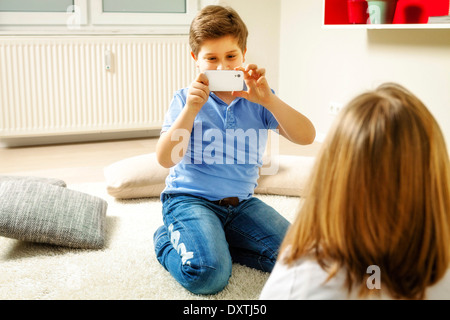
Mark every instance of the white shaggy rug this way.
pixel 125 269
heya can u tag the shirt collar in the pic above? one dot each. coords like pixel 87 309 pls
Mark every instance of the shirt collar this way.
pixel 220 101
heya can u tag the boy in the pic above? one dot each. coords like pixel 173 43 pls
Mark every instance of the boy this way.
pixel 210 217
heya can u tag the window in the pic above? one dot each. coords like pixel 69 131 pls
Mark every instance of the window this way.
pixel 35 5
pixel 144 12
pixel 36 12
pixel 99 16
pixel 145 6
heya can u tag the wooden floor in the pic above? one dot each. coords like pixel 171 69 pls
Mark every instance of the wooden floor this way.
pixel 84 162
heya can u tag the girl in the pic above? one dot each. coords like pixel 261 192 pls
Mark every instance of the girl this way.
pixel 376 221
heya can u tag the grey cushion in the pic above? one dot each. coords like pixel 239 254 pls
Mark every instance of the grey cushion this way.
pixel 56 182
pixel 45 213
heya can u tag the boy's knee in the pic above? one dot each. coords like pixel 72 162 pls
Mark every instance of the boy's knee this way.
pixel 208 279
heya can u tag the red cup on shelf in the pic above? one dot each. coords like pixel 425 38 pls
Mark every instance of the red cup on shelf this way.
pixel 357 11
pixel 412 11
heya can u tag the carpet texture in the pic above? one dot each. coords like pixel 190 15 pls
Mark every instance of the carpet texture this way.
pixel 126 268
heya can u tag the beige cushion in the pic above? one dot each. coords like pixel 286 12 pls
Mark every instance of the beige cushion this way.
pixel 137 177
pixel 142 176
pixel 291 178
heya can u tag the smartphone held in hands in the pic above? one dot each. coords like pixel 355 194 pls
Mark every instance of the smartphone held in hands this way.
pixel 225 80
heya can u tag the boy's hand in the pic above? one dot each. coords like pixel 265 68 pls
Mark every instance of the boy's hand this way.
pixel 198 93
pixel 258 88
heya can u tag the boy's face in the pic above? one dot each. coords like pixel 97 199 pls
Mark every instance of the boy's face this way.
pixel 219 54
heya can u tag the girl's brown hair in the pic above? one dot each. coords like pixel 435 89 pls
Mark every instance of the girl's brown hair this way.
pixel 214 22
pixel 379 194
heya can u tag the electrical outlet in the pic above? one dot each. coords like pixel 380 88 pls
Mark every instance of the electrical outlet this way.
pixel 335 107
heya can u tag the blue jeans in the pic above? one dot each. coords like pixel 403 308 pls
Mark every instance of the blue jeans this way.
pixel 199 239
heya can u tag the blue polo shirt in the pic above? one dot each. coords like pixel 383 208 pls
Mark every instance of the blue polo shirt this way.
pixel 225 150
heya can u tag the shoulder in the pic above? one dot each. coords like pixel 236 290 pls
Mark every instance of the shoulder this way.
pixel 441 290
pixel 178 100
pixel 305 279
pixel 181 93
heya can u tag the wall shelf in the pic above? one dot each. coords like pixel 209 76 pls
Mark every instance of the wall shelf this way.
pixel 387 26
pixel 426 14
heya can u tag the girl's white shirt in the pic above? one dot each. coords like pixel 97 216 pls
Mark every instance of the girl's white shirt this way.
pixel 307 280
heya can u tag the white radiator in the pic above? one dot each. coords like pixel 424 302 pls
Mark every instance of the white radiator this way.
pixel 60 86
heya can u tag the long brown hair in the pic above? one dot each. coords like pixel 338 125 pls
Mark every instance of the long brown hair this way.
pixel 379 195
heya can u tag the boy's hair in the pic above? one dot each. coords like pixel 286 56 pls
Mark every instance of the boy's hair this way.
pixel 214 22
pixel 379 195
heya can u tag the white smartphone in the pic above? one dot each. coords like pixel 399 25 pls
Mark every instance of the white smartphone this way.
pixel 225 80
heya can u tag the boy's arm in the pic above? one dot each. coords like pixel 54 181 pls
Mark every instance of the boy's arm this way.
pixel 172 144
pixel 292 124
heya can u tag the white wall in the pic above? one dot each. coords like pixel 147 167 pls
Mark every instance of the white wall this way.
pixel 309 66
pixel 262 18
pixel 321 65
